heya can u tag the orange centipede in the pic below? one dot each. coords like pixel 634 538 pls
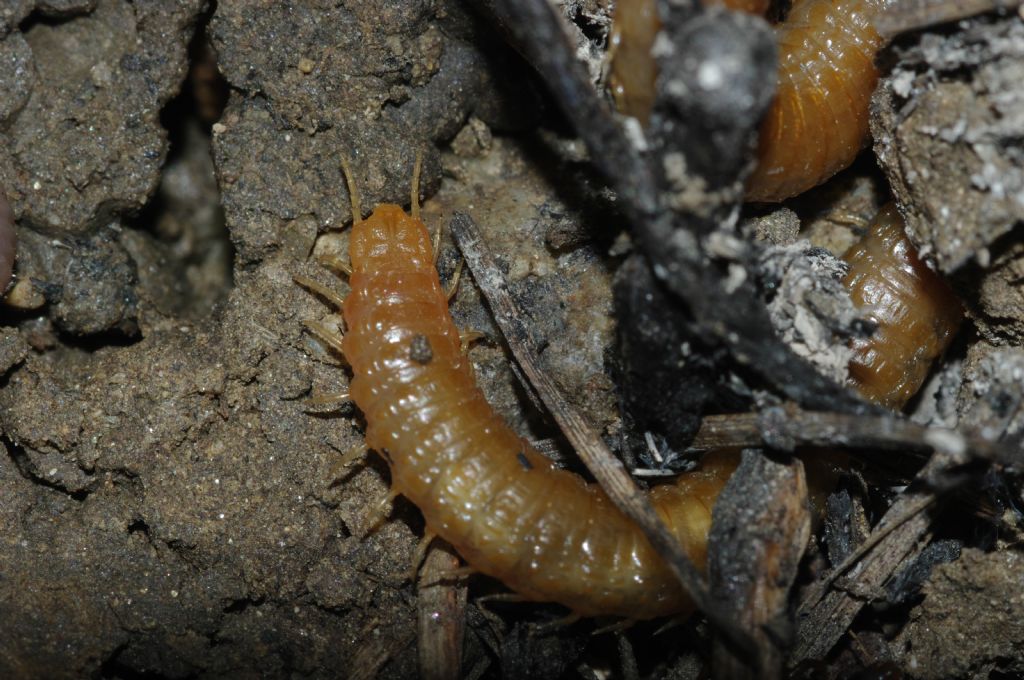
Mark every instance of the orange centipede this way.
pixel 505 508
pixel 818 121
pixel 500 503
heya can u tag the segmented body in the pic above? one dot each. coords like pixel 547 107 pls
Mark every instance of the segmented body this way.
pixel 503 506
pixel 916 312
pixel 634 71
pixel 818 122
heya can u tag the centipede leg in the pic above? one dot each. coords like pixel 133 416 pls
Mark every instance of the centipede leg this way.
pixel 414 201
pixel 673 622
pixel 336 264
pixel 320 289
pixel 382 510
pixel 482 601
pixel 421 552
pixel 331 339
pixel 353 193
pixel 617 627
pixel 449 575
pixel 848 218
pixel 453 287
pixel 329 399
pixel 539 629
pixel 357 452
pixel 466 338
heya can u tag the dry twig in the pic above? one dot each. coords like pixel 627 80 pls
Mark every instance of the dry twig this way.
pixel 710 135
pixel 759 531
pixel 911 15
pixel 441 609
pixel 787 427
pixel 825 615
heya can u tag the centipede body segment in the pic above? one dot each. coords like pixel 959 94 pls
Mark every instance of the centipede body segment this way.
pixel 914 309
pixel 818 121
pixel 634 71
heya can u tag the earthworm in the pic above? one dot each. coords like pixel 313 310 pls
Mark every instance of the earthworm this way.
pixel 916 312
pixel 505 508
pixel 8 242
pixel 818 121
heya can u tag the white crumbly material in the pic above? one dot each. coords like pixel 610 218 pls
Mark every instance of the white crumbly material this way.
pixel 809 308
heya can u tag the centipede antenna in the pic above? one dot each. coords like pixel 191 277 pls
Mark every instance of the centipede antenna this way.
pixel 415 202
pixel 353 193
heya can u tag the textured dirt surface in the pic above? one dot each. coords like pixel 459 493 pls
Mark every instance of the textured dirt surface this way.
pixel 169 504
pixel 947 132
pixel 947 126
pixel 946 639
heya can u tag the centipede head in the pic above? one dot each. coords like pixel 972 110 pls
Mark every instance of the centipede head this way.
pixel 390 239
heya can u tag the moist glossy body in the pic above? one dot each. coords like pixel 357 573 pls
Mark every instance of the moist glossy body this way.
pixel 508 512
pixel 634 71
pixel 916 312
pixel 503 506
pixel 818 122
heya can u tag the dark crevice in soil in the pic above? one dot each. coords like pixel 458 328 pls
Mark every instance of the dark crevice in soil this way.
pixel 240 605
pixel 186 214
pixel 40 17
pixel 95 342
pixel 26 469
pixel 113 667
pixel 139 526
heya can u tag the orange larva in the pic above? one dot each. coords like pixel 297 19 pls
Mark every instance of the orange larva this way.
pixel 914 308
pixel 818 121
pixel 506 509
